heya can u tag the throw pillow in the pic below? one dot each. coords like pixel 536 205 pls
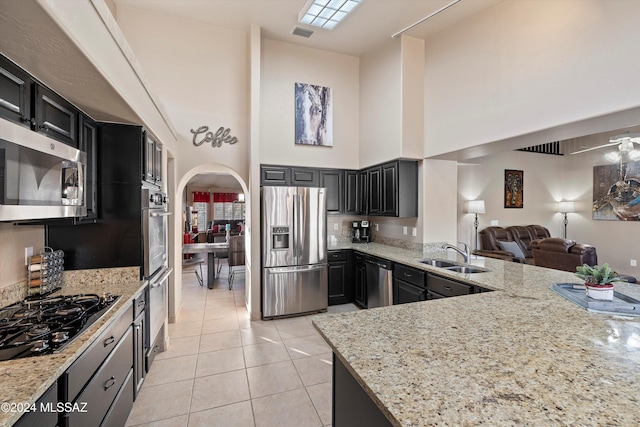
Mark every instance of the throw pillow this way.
pixel 511 247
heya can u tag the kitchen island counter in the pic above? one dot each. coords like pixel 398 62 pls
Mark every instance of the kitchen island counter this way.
pixel 522 355
pixel 25 380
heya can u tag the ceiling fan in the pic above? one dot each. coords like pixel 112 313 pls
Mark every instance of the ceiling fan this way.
pixel 626 147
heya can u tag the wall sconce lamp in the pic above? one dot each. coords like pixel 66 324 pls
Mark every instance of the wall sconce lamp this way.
pixel 566 207
pixel 476 207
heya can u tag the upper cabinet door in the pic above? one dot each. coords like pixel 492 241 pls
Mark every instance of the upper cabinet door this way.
pixel 274 175
pixel 362 193
pixel 148 174
pixel 390 189
pixel 350 192
pixel 375 192
pixel 15 93
pixel 157 163
pixel 304 177
pixel 88 143
pixel 333 181
pixel 55 116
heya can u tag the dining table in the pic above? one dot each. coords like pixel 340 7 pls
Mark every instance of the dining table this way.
pixel 214 251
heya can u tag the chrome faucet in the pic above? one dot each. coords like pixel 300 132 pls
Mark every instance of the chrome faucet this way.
pixel 465 253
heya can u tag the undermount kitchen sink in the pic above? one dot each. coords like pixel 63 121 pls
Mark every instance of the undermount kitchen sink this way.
pixel 439 263
pixel 466 269
pixel 453 266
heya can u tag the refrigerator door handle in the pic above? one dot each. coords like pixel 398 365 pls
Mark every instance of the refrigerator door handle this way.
pixel 303 268
pixel 297 224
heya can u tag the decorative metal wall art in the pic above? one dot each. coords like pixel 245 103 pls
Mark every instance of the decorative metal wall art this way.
pixel 616 192
pixel 513 188
pixel 314 115
pixel 216 139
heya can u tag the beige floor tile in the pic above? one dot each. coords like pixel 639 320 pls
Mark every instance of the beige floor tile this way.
pixel 266 353
pixel 186 329
pixel 293 328
pixel 193 305
pixel 161 401
pixel 171 370
pixel 181 421
pixel 271 379
pixel 314 369
pixel 310 345
pixel 180 347
pixel 259 335
pixel 190 316
pixel 212 326
pixel 218 390
pixel 212 313
pixel 235 415
pixel 220 341
pixel 321 397
pixel 290 409
pixel 217 362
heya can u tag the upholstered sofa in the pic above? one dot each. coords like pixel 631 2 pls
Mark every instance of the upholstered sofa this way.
pixel 511 243
pixel 562 254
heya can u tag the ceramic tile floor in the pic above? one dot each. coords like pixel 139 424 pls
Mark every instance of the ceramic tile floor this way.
pixel 222 369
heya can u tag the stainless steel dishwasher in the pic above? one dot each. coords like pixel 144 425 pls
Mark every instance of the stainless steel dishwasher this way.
pixel 379 282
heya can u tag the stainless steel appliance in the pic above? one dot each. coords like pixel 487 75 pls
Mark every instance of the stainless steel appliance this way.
pixel 379 282
pixel 360 231
pixel 154 230
pixel 294 251
pixel 34 327
pixel 39 177
pixel 156 314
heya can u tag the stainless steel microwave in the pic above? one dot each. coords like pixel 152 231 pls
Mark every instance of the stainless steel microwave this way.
pixel 40 177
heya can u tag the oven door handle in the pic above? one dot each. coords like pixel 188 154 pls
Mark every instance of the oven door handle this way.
pixel 156 283
pixel 156 214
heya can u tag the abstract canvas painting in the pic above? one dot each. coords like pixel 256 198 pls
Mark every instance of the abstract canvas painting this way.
pixel 513 188
pixel 314 115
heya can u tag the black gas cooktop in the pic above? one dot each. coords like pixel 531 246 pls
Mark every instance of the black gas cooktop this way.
pixel 47 325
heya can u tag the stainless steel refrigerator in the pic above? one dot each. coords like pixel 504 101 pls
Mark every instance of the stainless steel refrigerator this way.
pixel 294 251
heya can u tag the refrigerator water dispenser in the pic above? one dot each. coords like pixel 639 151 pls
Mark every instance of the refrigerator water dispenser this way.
pixel 279 237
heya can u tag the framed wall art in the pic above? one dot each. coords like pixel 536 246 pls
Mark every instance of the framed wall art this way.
pixel 314 115
pixel 513 188
pixel 616 192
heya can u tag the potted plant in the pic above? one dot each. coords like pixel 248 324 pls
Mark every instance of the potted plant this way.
pixel 598 280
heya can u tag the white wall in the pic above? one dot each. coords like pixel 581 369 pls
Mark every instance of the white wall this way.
pixel 201 75
pixel 527 65
pixel 380 104
pixel 412 112
pixel 284 64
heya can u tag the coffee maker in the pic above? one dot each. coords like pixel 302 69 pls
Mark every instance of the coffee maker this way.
pixel 360 231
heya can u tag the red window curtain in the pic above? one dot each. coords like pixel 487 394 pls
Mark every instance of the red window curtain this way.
pixel 200 196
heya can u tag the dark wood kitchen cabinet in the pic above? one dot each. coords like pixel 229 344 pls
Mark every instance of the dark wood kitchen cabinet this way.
pixel 408 284
pixel 333 181
pixel 393 189
pixel 444 287
pixel 88 142
pixel 350 192
pixel 152 159
pixel 275 175
pixel 340 285
pixel 101 376
pixel 39 418
pixel 362 193
pixel 15 93
pixel 55 116
pixel 374 193
pixel 360 279
pixel 304 177
pixel 140 326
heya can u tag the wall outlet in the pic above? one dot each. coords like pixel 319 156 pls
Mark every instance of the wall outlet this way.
pixel 634 263
pixel 494 222
pixel 377 227
pixel 405 230
pixel 27 253
pixel 414 231
pixel 335 226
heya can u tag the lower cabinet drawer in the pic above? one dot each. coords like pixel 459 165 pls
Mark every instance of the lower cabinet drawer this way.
pixel 408 274
pixel 119 411
pixel 103 387
pixel 447 287
pixel 39 417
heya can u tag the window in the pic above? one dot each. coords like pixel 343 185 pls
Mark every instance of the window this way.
pixel 201 207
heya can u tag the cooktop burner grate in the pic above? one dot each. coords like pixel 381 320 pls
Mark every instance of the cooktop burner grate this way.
pixel 35 327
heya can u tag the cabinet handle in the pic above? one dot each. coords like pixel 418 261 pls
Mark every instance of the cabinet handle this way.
pixel 44 128
pixel 110 382
pixel 446 287
pixel 109 340
pixel 408 275
pixel 141 303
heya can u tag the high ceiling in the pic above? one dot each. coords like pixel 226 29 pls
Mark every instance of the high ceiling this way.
pixel 370 25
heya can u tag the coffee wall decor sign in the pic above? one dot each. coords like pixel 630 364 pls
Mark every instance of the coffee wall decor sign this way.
pixel 216 139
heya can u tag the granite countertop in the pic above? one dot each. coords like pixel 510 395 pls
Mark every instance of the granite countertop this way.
pixel 522 355
pixel 25 380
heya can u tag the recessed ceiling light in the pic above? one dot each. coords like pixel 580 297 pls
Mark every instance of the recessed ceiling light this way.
pixel 326 13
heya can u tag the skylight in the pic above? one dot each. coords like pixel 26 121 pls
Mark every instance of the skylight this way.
pixel 326 13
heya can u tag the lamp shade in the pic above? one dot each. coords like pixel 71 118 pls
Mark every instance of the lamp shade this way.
pixel 566 207
pixel 476 206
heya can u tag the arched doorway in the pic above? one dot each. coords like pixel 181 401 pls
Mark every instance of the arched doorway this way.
pixel 199 174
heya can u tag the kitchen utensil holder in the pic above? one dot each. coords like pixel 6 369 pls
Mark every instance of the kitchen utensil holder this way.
pixel 45 271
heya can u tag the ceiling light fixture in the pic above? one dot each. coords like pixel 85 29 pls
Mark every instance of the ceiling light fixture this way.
pixel 326 13
pixel 626 148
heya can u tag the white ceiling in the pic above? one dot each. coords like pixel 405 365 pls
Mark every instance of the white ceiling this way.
pixel 367 27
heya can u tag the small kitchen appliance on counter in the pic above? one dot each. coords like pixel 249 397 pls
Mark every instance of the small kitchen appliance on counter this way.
pixel 360 232
pixel 34 327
